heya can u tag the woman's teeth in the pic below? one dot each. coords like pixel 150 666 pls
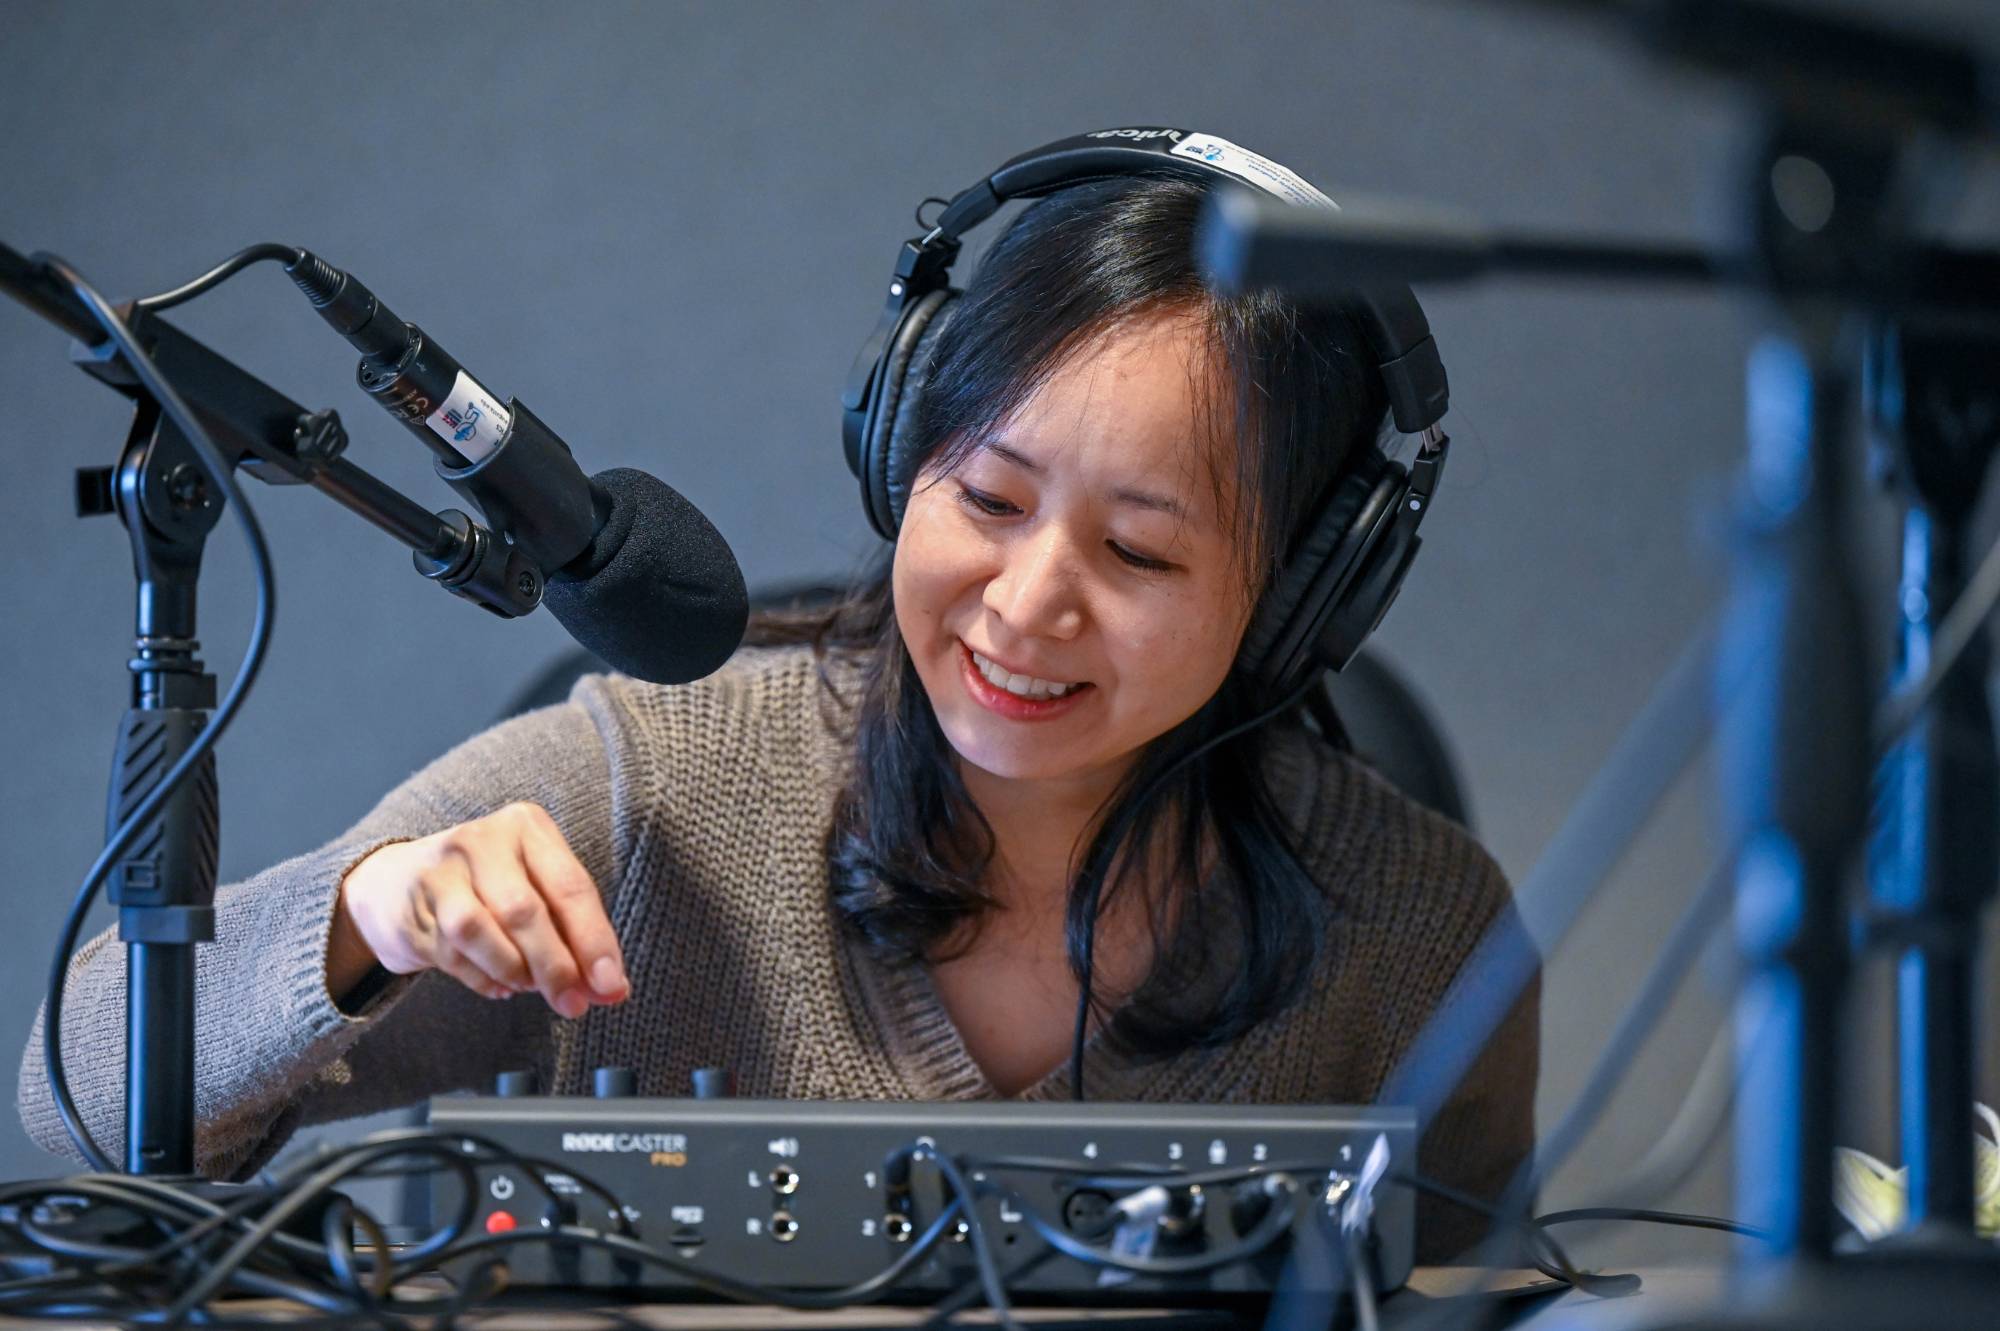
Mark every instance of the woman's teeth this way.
pixel 1021 686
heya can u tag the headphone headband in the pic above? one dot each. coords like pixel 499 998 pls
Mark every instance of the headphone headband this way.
pixel 1107 153
pixel 1389 317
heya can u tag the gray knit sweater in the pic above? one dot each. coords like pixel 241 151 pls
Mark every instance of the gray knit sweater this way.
pixel 701 811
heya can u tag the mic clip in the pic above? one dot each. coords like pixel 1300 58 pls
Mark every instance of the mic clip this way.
pixel 482 568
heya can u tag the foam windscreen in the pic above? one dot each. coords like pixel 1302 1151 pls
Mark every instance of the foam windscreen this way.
pixel 657 594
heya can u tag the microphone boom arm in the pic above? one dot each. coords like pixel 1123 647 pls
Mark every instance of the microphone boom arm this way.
pixel 271 437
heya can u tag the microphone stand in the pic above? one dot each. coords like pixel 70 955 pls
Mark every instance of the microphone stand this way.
pixel 1829 236
pixel 1936 850
pixel 164 887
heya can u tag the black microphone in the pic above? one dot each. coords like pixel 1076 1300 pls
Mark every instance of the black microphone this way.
pixel 631 569
pixel 656 594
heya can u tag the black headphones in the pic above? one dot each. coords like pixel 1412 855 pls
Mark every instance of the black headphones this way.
pixel 1344 573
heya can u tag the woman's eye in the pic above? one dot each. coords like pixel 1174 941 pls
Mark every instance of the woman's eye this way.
pixel 988 504
pixel 992 506
pixel 1137 560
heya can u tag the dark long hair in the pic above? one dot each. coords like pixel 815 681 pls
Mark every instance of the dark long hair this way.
pixel 1293 405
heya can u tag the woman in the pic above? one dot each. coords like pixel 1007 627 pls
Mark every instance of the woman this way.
pixel 865 859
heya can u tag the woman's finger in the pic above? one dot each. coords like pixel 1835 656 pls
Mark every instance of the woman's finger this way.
pixel 467 942
pixel 576 907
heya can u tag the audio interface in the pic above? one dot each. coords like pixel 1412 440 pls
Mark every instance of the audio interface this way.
pixel 821 1195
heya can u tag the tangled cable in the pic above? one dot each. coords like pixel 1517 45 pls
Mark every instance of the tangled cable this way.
pixel 150 1252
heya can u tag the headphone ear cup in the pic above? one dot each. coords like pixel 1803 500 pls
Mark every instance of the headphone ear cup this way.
pixel 886 454
pixel 1281 640
pixel 1366 601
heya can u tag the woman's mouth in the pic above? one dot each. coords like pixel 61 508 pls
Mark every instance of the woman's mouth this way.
pixel 1016 697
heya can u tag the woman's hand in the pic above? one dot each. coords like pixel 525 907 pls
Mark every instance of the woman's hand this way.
pixel 501 904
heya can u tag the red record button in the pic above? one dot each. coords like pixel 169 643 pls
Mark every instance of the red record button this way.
pixel 499 1222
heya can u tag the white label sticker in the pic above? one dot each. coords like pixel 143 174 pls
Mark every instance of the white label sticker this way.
pixel 1246 165
pixel 470 420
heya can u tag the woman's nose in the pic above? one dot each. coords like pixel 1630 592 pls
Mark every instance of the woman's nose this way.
pixel 1037 591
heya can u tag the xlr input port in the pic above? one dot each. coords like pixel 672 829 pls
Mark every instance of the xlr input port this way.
pixel 783 1228
pixel 1087 1213
pixel 784 1180
pixel 897 1227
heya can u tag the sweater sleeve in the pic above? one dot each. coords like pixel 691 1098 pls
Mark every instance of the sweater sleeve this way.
pixel 273 1052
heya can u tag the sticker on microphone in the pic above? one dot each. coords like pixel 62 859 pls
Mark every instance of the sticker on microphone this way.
pixel 1246 165
pixel 470 420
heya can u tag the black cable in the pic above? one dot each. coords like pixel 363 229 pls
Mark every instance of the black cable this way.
pixel 1268 1230
pixel 351 1274
pixel 1561 1267
pixel 354 1162
pixel 1098 872
pixel 1365 1315
pixel 271 1243
pixel 1550 1260
pixel 860 1292
pixel 156 1198
pixel 142 1193
pixel 269 1225
pixel 1641 1014
pixel 714 1282
pixel 1469 1312
pixel 929 226
pixel 969 1292
pixel 336 1228
pixel 975 1232
pixel 214 277
pixel 146 1197
pixel 394 1143
pixel 1643 1216
pixel 220 472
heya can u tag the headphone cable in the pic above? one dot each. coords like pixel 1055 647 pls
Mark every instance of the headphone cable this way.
pixel 1096 872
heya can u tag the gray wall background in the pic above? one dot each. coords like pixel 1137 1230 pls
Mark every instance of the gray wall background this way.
pixel 665 228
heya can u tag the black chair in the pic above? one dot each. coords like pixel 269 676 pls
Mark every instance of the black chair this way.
pixel 1389 727
pixel 1394 732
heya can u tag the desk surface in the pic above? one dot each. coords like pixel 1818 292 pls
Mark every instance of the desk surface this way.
pixel 1664 1290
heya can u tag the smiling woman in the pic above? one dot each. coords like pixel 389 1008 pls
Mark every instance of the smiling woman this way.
pixel 1053 797
pixel 1020 815
pixel 1110 464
